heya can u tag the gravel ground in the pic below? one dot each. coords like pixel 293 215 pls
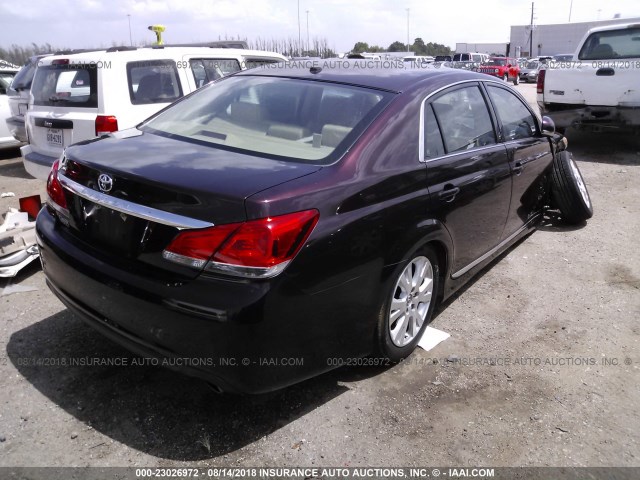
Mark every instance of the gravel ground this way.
pixel 542 367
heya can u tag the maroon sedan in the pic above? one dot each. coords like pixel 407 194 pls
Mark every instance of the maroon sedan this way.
pixel 282 222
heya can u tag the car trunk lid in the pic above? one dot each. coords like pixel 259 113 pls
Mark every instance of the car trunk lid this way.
pixel 128 195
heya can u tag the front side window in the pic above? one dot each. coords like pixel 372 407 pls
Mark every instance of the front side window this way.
pixel 273 117
pixel 517 121
pixel 66 85
pixel 623 43
pixel 153 81
pixel 464 119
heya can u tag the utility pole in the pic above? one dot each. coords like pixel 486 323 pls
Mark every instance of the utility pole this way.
pixel 531 33
pixel 408 9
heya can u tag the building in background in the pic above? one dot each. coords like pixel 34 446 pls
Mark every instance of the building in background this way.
pixel 554 39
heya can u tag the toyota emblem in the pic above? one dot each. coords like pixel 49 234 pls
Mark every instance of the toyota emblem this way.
pixel 105 183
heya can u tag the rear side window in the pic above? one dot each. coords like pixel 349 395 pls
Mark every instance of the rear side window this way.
pixel 433 146
pixel 517 121
pixel 464 119
pixel 153 81
pixel 71 85
pixel 207 70
pixel 624 43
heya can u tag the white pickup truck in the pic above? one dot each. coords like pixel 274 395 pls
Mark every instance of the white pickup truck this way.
pixel 600 88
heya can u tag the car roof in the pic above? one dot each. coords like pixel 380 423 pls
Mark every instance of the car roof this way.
pixel 153 53
pixel 382 77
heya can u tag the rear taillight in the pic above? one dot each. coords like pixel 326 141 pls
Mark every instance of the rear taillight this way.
pixel 60 61
pixel 106 124
pixel 54 188
pixel 257 248
pixel 540 84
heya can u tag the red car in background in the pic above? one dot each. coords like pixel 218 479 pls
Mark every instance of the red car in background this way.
pixel 502 67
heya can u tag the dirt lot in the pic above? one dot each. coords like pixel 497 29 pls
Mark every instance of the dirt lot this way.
pixel 557 316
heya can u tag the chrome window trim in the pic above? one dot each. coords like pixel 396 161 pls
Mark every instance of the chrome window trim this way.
pixel 495 249
pixel 134 209
pixel 478 81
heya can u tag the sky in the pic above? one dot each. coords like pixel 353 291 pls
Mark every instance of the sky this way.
pixel 91 23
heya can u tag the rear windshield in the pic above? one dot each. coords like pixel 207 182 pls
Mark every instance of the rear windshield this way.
pixel 23 79
pixel 5 79
pixel 153 81
pixel 288 119
pixel 72 85
pixel 624 43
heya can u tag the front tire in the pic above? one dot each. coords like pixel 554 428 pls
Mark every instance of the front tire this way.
pixel 410 300
pixel 516 80
pixel 505 77
pixel 568 190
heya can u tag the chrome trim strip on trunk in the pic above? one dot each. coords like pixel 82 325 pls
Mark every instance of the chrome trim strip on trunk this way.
pixel 481 259
pixel 133 209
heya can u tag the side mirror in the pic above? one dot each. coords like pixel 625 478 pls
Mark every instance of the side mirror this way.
pixel 548 126
pixel 509 66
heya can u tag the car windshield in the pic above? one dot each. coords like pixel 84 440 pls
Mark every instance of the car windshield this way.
pixel 289 119
pixel 499 62
pixel 623 43
pixel 532 65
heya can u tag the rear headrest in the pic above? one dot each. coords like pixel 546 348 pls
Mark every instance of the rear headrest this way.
pixel 332 135
pixel 245 113
pixel 289 132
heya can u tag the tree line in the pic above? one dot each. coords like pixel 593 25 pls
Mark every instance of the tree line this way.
pixel 418 47
pixel 290 47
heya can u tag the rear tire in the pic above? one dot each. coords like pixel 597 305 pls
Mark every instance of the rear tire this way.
pixel 411 296
pixel 569 192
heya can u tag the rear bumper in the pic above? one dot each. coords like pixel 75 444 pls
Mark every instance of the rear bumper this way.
pixel 248 337
pixel 36 164
pixel 17 129
pixel 592 116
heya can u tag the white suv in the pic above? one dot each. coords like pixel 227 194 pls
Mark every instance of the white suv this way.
pixel 81 96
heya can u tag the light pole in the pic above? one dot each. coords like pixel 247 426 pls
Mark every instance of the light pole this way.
pixel 408 9
pixel 308 47
pixel 130 38
pixel 299 37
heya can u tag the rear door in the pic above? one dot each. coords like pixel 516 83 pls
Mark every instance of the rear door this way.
pixel 468 172
pixel 64 106
pixel 528 152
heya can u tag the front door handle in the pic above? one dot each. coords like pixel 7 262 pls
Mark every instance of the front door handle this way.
pixel 449 193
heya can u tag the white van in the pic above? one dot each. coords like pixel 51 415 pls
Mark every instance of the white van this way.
pixel 81 96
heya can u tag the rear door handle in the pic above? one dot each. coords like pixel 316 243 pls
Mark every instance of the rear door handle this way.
pixel 518 168
pixel 449 193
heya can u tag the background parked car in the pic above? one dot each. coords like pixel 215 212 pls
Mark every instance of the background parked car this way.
pixel 529 71
pixel 317 215
pixel 502 67
pixel 80 96
pixel 7 73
